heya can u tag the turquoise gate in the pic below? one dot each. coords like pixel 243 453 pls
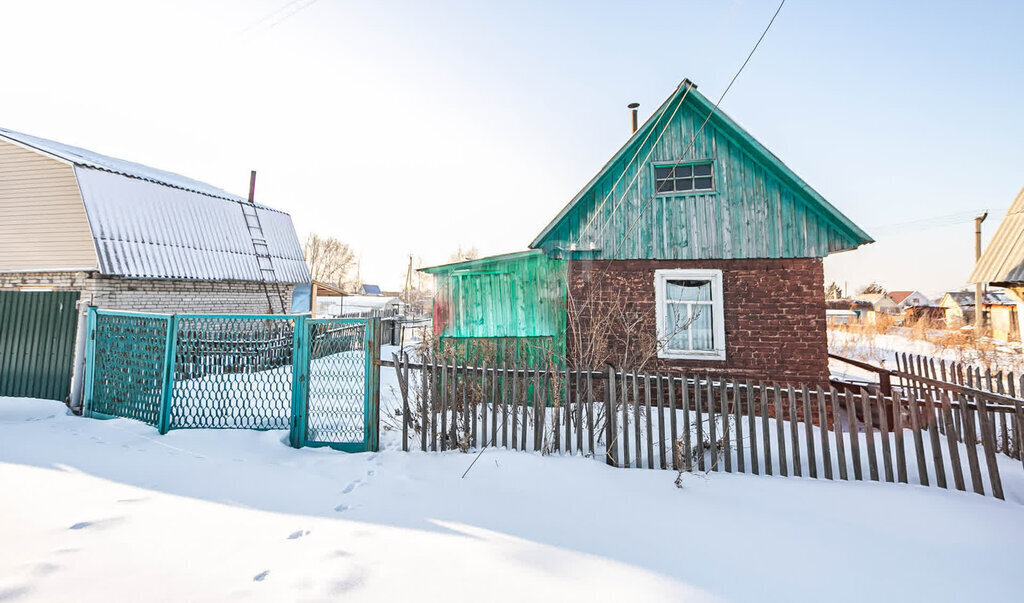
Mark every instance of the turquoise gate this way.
pixel 319 379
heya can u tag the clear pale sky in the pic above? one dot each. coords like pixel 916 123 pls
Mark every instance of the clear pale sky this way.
pixel 415 127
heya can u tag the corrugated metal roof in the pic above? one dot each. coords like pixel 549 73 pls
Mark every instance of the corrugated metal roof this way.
pixel 1003 259
pixel 144 229
pixel 90 159
pixel 150 223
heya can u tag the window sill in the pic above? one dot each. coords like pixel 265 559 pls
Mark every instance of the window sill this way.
pixel 690 355
pixel 686 194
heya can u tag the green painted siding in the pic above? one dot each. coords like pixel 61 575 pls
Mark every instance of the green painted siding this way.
pixel 759 208
pixel 512 296
pixel 37 343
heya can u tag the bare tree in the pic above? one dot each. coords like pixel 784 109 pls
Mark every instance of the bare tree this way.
pixel 330 260
pixel 833 291
pixel 461 255
pixel 874 287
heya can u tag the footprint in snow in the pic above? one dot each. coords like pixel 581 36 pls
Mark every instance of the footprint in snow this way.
pixel 99 524
pixel 342 508
pixel 297 534
pixel 371 473
pixel 260 576
pixel 81 525
pixel 350 487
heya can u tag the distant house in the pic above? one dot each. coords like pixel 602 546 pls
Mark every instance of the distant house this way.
pixel 693 248
pixel 132 237
pixel 908 299
pixel 847 311
pixel 1000 308
pixel 880 302
pixel 369 290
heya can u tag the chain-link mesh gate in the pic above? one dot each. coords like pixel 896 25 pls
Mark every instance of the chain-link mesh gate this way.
pixel 319 378
pixel 337 401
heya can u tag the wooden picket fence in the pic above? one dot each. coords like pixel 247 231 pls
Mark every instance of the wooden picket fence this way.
pixel 698 422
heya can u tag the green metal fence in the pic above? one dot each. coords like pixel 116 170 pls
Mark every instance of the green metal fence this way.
pixel 37 343
pixel 315 377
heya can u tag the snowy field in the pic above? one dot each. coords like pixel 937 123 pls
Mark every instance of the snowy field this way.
pixel 109 510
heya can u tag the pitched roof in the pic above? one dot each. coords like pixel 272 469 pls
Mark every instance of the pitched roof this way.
pixel 153 224
pixel 687 91
pixel 898 296
pixel 1003 259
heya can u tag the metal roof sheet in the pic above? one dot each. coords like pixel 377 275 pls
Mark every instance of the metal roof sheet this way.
pixel 144 229
pixel 1003 259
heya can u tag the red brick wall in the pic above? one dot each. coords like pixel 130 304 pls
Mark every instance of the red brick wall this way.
pixel 774 316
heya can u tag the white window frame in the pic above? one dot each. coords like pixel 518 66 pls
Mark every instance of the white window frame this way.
pixel 717 313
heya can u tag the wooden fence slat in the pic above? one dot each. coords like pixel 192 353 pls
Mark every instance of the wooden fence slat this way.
pixel 699 423
pixel 647 417
pixel 515 407
pixel 637 440
pixel 556 418
pixel 869 435
pixel 672 419
pixel 915 425
pixel 812 460
pixel 766 433
pixel 661 422
pixel 851 419
pixel 712 425
pixel 505 386
pixel 794 431
pixel 524 407
pixel 611 445
pixel 567 411
pixel 687 442
pixel 737 408
pixel 952 443
pixel 933 437
pixel 468 430
pixel 451 436
pixel 1019 425
pixel 425 382
pixel 443 436
pixel 989 446
pixel 484 379
pixel 539 408
pixel 837 426
pixel 726 413
pixel 625 425
pixel 752 428
pixel 826 451
pixel 883 418
pixel 971 443
pixel 579 412
pixel 590 413
pixel 780 432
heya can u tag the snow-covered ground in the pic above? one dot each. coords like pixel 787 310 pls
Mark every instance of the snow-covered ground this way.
pixel 109 510
pixel 881 349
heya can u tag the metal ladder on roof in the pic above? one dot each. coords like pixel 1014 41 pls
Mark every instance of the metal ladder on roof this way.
pixel 263 260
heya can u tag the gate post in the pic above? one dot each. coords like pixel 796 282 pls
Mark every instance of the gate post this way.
pixel 372 417
pixel 167 391
pixel 300 352
pixel 90 360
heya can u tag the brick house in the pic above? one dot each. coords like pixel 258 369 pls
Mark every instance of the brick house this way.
pixel 693 248
pixel 131 237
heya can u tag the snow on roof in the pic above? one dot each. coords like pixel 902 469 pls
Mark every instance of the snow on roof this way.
pixel 352 304
pixel 1003 258
pixel 965 299
pixel 150 223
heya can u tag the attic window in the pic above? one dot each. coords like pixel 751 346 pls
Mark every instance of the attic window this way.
pixel 689 178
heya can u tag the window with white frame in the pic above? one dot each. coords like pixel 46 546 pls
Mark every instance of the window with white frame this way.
pixel 684 178
pixel 690 319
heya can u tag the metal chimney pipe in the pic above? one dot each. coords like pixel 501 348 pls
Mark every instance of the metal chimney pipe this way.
pixel 252 186
pixel 633 107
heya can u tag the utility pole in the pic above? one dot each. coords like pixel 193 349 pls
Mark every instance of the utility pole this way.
pixel 408 280
pixel 978 295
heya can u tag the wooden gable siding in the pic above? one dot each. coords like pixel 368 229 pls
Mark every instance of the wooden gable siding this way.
pixel 43 225
pixel 751 214
pixel 519 295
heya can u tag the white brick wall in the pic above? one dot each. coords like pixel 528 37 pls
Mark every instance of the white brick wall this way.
pixel 199 297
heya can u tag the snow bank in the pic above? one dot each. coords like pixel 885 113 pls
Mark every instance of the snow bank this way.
pixel 109 510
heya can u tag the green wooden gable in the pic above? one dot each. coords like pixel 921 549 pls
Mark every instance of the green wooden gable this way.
pixel 758 207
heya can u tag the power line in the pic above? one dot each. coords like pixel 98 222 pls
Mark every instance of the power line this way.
pixel 280 14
